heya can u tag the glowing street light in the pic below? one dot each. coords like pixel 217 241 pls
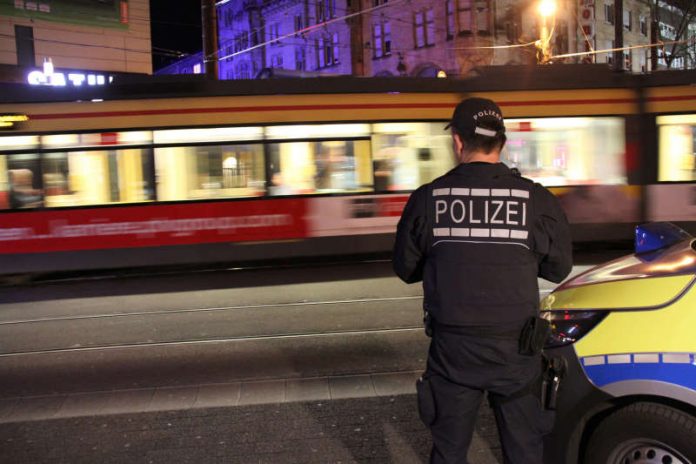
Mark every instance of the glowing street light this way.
pixel 546 8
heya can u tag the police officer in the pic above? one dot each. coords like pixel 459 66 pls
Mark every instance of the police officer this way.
pixel 478 237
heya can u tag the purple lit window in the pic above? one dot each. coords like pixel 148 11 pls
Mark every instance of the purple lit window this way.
pixel 464 15
pixel 451 19
pixel 419 29
pixel 377 41
pixel 430 27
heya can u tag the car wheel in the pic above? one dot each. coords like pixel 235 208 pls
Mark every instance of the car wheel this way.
pixel 644 433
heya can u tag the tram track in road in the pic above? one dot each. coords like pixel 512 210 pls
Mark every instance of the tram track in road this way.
pixel 205 325
pixel 287 336
pixel 204 309
pixel 140 333
pixel 310 310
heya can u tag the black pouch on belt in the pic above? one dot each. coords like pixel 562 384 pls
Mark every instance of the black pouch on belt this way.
pixel 534 333
pixel 427 411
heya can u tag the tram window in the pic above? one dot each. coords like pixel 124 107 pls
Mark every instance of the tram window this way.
pixel 22 180
pixel 309 167
pixel 407 155
pixel 677 148
pixel 211 171
pixel 96 139
pixel 97 177
pixel 567 151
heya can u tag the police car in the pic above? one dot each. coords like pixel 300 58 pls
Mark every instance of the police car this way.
pixel 623 343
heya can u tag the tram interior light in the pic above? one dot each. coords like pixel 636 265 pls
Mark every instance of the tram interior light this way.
pixel 238 134
pixel 317 131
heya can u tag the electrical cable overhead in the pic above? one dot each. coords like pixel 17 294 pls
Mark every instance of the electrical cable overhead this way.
pixel 632 47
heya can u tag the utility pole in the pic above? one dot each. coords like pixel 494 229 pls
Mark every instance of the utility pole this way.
pixel 618 36
pixel 356 40
pixel 654 33
pixel 210 43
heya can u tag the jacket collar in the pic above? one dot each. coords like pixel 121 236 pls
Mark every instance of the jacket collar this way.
pixel 481 169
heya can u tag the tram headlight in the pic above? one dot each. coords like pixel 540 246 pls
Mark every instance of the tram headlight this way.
pixel 570 326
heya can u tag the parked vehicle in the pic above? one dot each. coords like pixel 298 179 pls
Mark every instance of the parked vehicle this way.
pixel 625 331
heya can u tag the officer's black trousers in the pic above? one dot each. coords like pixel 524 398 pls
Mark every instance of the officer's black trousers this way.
pixel 460 370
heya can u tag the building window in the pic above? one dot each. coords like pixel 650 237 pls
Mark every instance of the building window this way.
pixel 274 33
pixel 643 62
pixel 300 58
pixel 627 20
pixel 451 19
pixel 430 27
pixel 464 15
pixel 424 28
pixel 24 43
pixel 483 16
pixel 381 38
pixel 644 26
pixel 377 41
pixel 335 53
pixel 610 55
pixel 667 31
pixel 609 13
pixel 244 38
pixel 321 62
pixel 299 25
pixel 242 71
pixel 277 61
pixel 330 8
pixel 327 49
pixel 379 2
pixel 325 9
pixel 419 26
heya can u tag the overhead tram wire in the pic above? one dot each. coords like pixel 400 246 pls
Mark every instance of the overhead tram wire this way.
pixel 632 47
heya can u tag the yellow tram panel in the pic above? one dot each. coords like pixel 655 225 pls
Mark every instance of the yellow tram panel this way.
pixel 674 99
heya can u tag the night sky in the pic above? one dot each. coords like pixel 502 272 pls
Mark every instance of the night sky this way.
pixel 176 27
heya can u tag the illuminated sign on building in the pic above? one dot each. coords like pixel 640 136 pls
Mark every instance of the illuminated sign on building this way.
pixel 48 76
pixel 73 79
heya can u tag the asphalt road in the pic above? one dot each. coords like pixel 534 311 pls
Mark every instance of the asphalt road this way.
pixel 333 328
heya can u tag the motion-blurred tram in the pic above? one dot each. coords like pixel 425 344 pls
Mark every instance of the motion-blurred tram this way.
pixel 182 171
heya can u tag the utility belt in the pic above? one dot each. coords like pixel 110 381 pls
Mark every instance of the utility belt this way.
pixel 530 338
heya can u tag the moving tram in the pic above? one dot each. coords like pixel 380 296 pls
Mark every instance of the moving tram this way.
pixel 189 171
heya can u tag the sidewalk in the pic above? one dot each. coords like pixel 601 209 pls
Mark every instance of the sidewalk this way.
pixel 276 391
pixel 340 419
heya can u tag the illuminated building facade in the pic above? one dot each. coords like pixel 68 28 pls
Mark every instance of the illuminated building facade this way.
pixel 426 39
pixel 296 35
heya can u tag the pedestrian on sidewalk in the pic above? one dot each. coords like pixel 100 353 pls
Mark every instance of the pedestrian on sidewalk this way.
pixel 478 237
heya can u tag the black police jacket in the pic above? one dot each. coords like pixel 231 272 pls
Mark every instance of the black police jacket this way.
pixel 478 237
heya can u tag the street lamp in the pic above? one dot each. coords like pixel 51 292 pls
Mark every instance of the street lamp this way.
pixel 546 8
